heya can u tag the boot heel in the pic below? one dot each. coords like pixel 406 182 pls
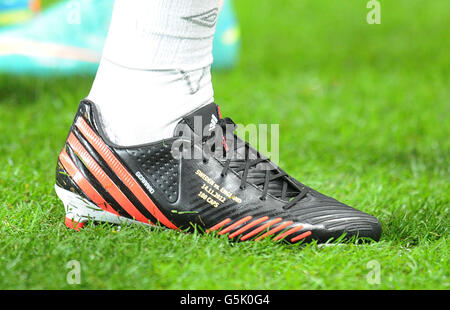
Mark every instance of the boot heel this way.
pixel 80 210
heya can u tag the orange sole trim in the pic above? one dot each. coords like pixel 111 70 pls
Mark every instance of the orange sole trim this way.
pixel 73 225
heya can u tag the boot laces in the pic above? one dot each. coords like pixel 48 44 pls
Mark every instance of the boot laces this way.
pixel 245 164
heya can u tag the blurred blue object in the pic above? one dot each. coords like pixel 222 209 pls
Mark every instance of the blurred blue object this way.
pixel 16 11
pixel 68 39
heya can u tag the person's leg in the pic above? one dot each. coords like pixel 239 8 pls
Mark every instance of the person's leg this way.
pixel 155 67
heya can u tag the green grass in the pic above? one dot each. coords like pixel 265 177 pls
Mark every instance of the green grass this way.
pixel 364 117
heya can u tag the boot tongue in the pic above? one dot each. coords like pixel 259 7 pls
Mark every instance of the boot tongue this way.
pixel 203 120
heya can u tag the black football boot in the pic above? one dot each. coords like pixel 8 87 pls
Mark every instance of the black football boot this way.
pixel 204 177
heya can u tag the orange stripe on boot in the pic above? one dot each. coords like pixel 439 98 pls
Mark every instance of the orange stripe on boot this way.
pixel 121 171
pixel 104 179
pixel 233 226
pixel 301 236
pixel 274 230
pixel 287 233
pixel 219 225
pixel 83 183
pixel 249 225
pixel 261 228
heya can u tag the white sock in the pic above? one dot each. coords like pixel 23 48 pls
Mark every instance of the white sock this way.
pixel 155 67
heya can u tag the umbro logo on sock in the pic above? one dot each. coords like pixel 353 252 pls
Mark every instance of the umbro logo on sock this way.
pixel 207 19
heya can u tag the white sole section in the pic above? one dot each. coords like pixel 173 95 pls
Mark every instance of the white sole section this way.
pixel 81 210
